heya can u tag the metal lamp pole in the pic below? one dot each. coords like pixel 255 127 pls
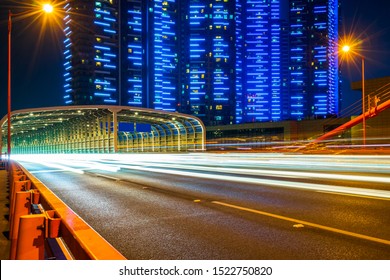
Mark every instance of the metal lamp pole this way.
pixel 346 49
pixel 363 105
pixel 48 9
pixel 9 87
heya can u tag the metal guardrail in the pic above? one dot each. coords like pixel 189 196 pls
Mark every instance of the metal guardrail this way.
pixel 372 112
pixel 43 227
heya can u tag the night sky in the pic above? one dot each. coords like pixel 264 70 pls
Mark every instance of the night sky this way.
pixel 37 54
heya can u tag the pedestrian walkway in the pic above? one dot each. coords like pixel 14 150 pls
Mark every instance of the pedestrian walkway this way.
pixel 4 212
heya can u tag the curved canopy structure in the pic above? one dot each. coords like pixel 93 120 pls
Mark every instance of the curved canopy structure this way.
pixel 101 129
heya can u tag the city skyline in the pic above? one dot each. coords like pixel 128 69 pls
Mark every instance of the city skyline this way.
pixel 51 94
pixel 220 61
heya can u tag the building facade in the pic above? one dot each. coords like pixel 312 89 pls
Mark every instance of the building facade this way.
pixel 224 61
pixel 314 91
pixel 91 53
pixel 260 78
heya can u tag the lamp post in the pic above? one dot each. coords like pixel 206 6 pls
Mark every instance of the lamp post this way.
pixel 363 104
pixel 347 49
pixel 9 88
pixel 47 8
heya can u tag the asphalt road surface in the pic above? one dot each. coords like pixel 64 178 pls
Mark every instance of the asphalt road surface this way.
pixel 228 206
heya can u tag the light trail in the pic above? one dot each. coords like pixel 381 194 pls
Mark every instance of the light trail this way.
pixel 248 165
pixel 61 167
pixel 275 183
pixel 284 174
pixel 75 165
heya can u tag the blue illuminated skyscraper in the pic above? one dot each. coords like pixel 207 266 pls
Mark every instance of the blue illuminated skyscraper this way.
pixel 234 65
pixel 165 47
pixel 259 41
pixel 224 61
pixel 150 51
pixel 210 60
pixel 121 53
pixel 133 61
pixel 91 53
pixel 313 65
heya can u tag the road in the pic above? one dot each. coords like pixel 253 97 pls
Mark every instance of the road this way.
pixel 228 206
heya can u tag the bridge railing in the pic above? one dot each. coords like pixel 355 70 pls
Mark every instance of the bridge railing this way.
pixel 43 227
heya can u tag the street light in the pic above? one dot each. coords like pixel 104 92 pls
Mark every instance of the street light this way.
pixel 347 49
pixel 47 8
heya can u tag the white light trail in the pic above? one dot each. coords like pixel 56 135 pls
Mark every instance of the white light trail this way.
pixel 275 173
pixel 247 165
pixel 276 183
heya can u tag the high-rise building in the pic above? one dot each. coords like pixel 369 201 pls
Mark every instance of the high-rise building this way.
pixel 210 59
pixel 121 52
pixel 313 62
pixel 284 71
pixel 224 61
pixel 91 53
pixel 133 44
pixel 259 41
pixel 233 60
pixel 150 47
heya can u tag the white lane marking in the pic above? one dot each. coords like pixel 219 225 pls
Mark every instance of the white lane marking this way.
pixel 356 195
pixel 107 177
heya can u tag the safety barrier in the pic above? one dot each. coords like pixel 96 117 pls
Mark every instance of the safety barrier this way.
pixel 43 227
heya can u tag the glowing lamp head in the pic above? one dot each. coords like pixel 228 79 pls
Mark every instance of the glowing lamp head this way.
pixel 48 8
pixel 346 48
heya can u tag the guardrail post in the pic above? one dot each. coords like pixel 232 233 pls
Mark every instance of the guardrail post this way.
pixel 52 224
pixel 11 176
pixel 22 207
pixel 33 231
pixel 18 186
pixel 35 195
pixel 31 238
pixel 15 177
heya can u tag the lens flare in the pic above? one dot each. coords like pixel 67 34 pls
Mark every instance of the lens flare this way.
pixel 48 8
pixel 346 48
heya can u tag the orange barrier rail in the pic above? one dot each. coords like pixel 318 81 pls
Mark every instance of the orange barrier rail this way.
pixel 44 227
pixel 372 112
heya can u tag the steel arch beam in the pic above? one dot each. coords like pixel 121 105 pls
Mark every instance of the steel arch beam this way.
pixel 99 129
